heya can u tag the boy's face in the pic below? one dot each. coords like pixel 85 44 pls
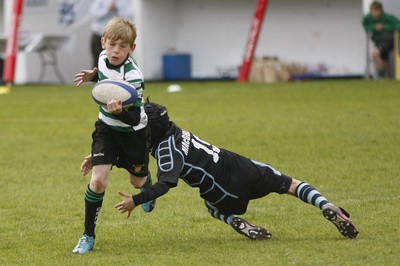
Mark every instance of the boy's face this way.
pixel 116 51
pixel 376 13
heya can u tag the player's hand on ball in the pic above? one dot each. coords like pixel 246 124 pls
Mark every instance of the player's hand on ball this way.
pixel 86 165
pixel 114 106
pixel 127 205
pixel 84 76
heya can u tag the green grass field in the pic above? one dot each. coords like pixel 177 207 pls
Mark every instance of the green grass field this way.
pixel 343 137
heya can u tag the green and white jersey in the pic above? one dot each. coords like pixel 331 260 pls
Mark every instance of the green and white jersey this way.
pixel 129 71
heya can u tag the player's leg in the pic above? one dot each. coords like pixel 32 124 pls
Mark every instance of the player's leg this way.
pixel 381 58
pixel 336 215
pixel 386 69
pixel 240 225
pixel 379 63
pixel 137 182
pixel 385 48
pixel 134 157
pixel 384 55
pixel 143 183
pixel 94 195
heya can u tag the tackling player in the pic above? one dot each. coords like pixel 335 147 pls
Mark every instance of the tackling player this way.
pixel 226 181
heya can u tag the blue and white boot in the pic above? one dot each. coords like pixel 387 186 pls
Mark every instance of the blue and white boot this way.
pixel 85 244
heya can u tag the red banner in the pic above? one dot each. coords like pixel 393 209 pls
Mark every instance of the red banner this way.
pixel 253 39
pixel 12 43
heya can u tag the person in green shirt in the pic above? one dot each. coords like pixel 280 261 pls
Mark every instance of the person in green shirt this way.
pixel 381 25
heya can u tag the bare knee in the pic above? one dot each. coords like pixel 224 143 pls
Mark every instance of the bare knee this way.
pixel 293 187
pixel 376 53
pixel 99 179
pixel 138 176
pixel 98 185
pixel 137 182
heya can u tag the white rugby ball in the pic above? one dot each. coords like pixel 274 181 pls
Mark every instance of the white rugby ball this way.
pixel 119 90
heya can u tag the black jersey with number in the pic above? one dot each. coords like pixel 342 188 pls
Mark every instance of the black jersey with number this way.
pixel 226 180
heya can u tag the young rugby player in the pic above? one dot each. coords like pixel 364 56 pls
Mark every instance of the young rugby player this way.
pixel 120 135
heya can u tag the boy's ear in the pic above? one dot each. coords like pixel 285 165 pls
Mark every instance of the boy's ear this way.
pixel 133 47
pixel 103 42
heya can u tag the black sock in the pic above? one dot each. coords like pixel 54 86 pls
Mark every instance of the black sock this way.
pixel 93 203
pixel 310 195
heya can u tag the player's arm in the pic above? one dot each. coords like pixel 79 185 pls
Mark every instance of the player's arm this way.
pixel 133 115
pixel 86 165
pixel 368 24
pixel 85 75
pixel 130 202
pixel 130 116
pixel 166 181
pixel 390 24
pixel 151 193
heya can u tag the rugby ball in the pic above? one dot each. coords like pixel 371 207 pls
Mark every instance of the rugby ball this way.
pixel 119 90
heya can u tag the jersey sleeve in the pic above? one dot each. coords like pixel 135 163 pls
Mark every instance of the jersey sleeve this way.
pixel 368 23
pixel 170 162
pixel 130 116
pixel 390 23
pixel 151 193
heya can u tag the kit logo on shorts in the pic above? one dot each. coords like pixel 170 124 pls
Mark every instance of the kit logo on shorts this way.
pixel 100 154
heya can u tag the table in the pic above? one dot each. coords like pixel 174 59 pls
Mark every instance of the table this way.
pixel 46 45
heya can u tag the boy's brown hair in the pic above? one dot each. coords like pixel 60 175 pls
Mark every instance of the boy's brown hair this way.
pixel 376 5
pixel 120 29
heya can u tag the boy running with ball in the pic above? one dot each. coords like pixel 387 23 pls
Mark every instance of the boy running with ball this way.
pixel 120 135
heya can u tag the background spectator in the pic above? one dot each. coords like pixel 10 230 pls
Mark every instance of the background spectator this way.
pixel 381 25
pixel 101 11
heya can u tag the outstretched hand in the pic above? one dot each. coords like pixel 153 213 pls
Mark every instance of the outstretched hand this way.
pixel 86 165
pixel 127 205
pixel 84 76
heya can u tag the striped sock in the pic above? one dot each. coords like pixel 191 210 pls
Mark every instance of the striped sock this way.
pixel 93 203
pixel 222 217
pixel 309 194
